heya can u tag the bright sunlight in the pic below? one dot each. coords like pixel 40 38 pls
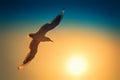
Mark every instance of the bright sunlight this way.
pixel 76 65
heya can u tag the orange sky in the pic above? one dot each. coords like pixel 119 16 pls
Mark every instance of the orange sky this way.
pixel 96 47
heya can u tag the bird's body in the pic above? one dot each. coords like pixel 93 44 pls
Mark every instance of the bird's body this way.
pixel 40 37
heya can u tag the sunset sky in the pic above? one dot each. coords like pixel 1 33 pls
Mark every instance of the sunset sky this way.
pixel 87 34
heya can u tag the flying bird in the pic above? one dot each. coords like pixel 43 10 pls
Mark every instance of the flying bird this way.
pixel 39 36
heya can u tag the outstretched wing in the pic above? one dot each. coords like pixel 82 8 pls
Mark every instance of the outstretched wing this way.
pixel 33 50
pixel 45 28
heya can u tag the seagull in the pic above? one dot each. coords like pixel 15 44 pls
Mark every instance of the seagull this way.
pixel 38 37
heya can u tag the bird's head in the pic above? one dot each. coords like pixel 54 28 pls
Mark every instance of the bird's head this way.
pixel 31 35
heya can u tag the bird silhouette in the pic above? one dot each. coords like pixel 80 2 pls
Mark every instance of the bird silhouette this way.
pixel 40 37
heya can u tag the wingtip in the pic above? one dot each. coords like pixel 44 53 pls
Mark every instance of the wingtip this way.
pixel 62 12
pixel 20 67
pixel 63 8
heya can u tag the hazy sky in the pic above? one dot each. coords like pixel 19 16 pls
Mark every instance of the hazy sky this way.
pixel 87 30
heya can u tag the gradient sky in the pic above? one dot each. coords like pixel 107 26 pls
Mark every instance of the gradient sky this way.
pixel 78 11
pixel 89 25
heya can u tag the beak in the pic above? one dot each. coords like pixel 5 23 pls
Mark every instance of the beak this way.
pixel 51 40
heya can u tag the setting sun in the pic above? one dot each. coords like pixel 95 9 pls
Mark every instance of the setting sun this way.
pixel 76 65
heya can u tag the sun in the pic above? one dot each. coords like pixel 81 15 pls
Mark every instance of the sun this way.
pixel 76 65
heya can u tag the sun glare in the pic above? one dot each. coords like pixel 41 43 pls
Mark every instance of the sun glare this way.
pixel 76 65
